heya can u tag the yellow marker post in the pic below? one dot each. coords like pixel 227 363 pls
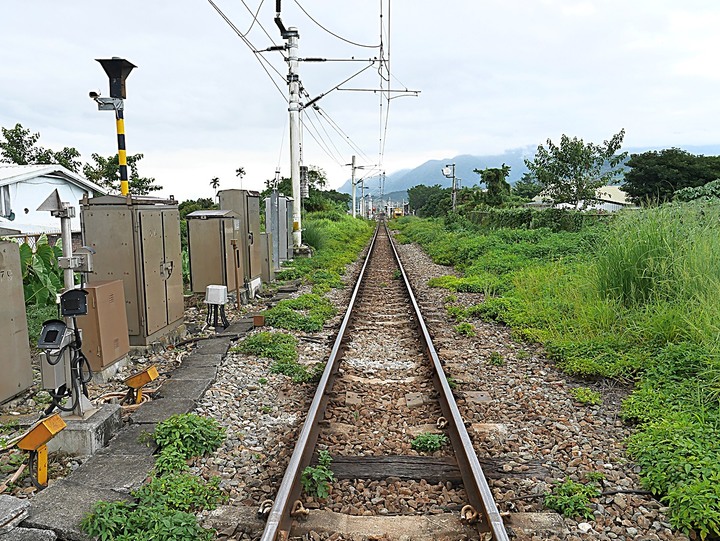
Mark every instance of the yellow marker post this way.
pixel 122 152
pixel 137 381
pixel 35 441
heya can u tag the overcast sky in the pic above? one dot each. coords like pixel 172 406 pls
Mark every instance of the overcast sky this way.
pixel 493 75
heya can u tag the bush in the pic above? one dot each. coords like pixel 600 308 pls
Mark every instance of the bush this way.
pixel 273 345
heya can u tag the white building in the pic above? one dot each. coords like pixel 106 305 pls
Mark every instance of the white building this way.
pixel 23 188
pixel 608 199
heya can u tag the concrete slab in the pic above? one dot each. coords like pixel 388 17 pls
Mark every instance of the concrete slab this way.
pixel 423 527
pixel 532 524
pixel 119 473
pixel 189 370
pixel 83 437
pixel 414 400
pixel 62 505
pixel 352 399
pixel 159 410
pixel 477 397
pixel 126 442
pixel 232 521
pixel 12 512
pixel 184 388
pixel 29 534
pixel 198 359
pixel 240 327
pixel 213 345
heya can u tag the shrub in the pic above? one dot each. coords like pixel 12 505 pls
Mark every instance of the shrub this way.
pixel 428 442
pixel 572 499
pixel 192 435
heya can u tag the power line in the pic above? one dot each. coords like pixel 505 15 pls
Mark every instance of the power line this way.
pixel 333 33
pixel 251 47
pixel 255 16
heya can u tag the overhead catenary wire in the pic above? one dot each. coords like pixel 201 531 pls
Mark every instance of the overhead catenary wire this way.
pixel 333 33
pixel 254 50
pixel 334 125
pixel 255 16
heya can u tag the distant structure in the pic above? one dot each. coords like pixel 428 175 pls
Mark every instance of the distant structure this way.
pixel 24 187
pixel 607 199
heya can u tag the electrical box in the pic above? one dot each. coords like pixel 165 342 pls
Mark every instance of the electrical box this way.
pixel 268 267
pixel 15 364
pixel 137 240
pixel 213 260
pixel 279 222
pixel 246 204
pixel 105 338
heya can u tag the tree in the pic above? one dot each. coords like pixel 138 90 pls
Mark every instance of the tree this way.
pixel 319 199
pixel 572 172
pixel 215 184
pixel 430 201
pixel 18 146
pixel 106 173
pixel 498 189
pixel 527 187
pixel 655 176
pixel 240 173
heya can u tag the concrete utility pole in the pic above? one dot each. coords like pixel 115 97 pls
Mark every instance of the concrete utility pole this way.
pixel 449 172
pixel 352 181
pixel 292 37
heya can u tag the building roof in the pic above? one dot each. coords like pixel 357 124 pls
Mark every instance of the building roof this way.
pixel 12 173
pixel 607 194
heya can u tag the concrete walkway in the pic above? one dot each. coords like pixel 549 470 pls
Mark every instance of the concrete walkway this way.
pixel 125 463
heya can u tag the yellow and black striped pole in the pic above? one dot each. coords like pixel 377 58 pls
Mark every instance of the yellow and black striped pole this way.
pixel 122 154
pixel 117 70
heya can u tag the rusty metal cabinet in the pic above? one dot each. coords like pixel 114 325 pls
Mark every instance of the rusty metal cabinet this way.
pixel 15 357
pixel 137 240
pixel 104 328
pixel 213 259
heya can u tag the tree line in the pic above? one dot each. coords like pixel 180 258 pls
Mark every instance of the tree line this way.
pixel 572 171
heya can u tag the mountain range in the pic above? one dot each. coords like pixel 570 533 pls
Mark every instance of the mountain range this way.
pixel 431 172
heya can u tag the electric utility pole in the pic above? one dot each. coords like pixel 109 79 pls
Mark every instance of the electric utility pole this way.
pixel 449 172
pixel 291 36
pixel 352 182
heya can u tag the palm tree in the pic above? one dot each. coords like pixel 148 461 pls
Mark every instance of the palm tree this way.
pixel 215 184
pixel 240 172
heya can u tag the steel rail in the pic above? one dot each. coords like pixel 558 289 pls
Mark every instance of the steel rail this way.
pixel 474 481
pixel 279 520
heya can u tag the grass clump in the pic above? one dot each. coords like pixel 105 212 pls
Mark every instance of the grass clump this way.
pixel 586 396
pixel 465 329
pixel 572 499
pixel 308 313
pixel 427 442
pixel 273 345
pixel 316 480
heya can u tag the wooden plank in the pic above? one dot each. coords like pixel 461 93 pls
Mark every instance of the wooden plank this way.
pixel 432 469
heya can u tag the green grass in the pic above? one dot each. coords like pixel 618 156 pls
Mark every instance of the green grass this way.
pixel 637 299
pixel 336 240
pixel 308 313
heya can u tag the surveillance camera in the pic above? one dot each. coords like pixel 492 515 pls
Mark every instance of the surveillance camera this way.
pixel 94 94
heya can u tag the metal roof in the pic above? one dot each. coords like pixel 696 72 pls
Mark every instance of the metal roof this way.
pixel 203 214
pixel 12 173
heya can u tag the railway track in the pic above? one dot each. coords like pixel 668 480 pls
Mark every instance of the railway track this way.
pixel 383 386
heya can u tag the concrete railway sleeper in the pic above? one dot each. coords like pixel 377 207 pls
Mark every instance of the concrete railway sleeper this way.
pixel 372 402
